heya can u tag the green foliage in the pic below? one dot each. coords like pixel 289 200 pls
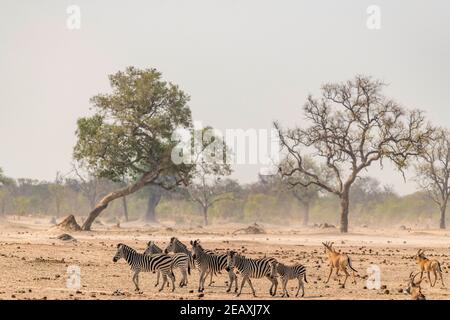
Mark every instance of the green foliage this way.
pixel 131 130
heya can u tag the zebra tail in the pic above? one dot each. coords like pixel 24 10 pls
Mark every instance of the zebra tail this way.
pixel 350 265
pixel 189 269
pixel 304 277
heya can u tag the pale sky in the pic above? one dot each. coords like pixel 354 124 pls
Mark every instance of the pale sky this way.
pixel 245 63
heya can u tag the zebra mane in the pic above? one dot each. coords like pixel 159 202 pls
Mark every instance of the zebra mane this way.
pixel 180 243
pixel 126 247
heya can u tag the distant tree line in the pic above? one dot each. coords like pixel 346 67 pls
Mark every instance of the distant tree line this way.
pixel 268 200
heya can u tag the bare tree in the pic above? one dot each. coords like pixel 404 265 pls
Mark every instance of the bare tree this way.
pixel 433 171
pixel 305 195
pixel 349 128
pixel 208 190
pixel 210 156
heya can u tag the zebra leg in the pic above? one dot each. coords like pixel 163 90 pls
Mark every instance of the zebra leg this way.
pixel 232 277
pixel 274 281
pixel 136 281
pixel 183 281
pixel 285 281
pixel 242 285
pixel 172 278
pixel 210 280
pixel 157 278
pixel 251 286
pixel 429 278
pixel 202 273
pixel 164 282
pixel 301 285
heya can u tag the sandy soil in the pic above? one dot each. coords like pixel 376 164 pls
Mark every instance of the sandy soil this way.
pixel 34 262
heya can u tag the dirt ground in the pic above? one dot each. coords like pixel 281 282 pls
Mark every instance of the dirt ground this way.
pixel 34 263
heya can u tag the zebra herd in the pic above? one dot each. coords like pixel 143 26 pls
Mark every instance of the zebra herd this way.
pixel 209 263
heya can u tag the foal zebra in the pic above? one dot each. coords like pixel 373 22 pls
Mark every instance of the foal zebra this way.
pixel 252 268
pixel 146 263
pixel 211 263
pixel 180 261
pixel 296 271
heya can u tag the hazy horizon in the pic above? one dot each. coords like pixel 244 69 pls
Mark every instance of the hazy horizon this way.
pixel 244 64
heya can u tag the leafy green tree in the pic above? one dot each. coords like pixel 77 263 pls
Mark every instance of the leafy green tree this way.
pixel 350 127
pixel 130 134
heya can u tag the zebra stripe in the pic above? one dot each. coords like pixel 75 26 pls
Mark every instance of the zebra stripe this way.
pixel 217 262
pixel 296 271
pixel 145 263
pixel 252 268
pixel 207 263
pixel 176 246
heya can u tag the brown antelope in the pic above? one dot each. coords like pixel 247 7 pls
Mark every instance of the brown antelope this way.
pixel 340 261
pixel 428 265
pixel 414 288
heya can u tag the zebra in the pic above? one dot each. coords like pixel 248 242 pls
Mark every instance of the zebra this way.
pixel 176 245
pixel 210 263
pixel 180 261
pixel 152 248
pixel 252 268
pixel 146 263
pixel 296 271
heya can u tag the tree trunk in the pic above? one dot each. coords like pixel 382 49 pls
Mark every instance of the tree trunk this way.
pixel 103 203
pixel 205 215
pixel 125 208
pixel 153 201
pixel 442 221
pixel 305 214
pixel 345 201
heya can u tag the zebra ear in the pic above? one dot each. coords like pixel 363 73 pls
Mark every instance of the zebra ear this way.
pixel 118 245
pixel 192 243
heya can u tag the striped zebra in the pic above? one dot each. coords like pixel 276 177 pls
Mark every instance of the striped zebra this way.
pixel 176 245
pixel 210 263
pixel 296 271
pixel 252 268
pixel 180 261
pixel 152 248
pixel 146 263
